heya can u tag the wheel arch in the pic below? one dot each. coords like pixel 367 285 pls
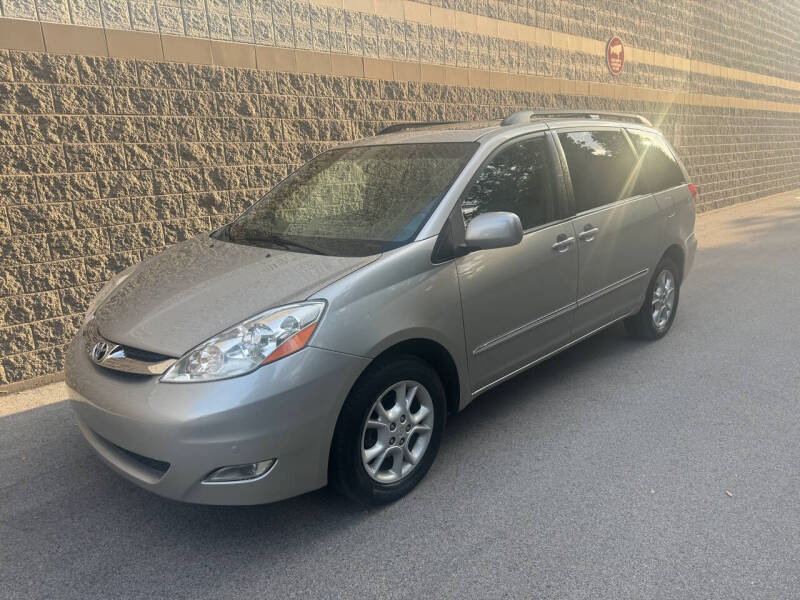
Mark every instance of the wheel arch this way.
pixel 437 356
pixel 677 255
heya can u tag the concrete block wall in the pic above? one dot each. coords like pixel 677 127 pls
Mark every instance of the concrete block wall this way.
pixel 129 126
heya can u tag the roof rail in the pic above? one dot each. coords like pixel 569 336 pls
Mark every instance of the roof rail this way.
pixel 404 126
pixel 526 116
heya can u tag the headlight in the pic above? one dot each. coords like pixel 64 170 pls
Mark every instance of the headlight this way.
pixel 105 291
pixel 245 347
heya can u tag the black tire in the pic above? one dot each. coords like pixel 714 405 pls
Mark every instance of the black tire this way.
pixel 641 324
pixel 347 473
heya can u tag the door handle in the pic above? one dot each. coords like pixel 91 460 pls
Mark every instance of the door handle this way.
pixel 563 243
pixel 588 233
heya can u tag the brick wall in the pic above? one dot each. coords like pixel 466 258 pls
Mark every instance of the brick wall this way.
pixel 107 159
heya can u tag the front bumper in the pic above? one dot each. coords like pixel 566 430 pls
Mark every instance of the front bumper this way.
pixel 286 410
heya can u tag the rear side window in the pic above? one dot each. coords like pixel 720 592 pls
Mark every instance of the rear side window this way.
pixel 518 179
pixel 658 168
pixel 601 165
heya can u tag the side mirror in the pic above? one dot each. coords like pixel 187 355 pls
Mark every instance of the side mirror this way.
pixel 493 230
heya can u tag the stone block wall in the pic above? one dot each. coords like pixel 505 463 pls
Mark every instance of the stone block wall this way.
pixel 109 156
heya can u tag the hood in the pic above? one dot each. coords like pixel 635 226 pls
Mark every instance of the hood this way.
pixel 178 299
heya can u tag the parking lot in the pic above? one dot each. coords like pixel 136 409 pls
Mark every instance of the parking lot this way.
pixel 619 469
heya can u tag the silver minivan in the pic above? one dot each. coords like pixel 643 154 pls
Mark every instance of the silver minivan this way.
pixel 326 333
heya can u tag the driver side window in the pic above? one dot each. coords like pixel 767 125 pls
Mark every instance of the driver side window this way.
pixel 519 180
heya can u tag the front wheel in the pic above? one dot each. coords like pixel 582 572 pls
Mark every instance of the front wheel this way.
pixel 655 318
pixel 388 431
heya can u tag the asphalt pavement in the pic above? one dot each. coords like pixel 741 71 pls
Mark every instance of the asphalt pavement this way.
pixel 619 469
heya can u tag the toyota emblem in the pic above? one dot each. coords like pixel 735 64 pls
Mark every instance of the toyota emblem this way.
pixel 100 351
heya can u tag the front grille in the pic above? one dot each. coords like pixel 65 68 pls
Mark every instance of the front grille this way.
pixel 111 355
pixel 144 355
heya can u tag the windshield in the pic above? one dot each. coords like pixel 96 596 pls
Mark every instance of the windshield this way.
pixel 353 201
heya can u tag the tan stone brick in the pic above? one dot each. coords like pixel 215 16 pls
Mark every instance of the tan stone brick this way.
pixel 53 331
pixel 16 339
pixel 76 242
pixel 52 275
pixel 23 249
pixel 101 267
pixel 40 218
pixel 67 187
pixel 92 213
pixel 149 156
pixel 94 157
pixel 136 235
pixel 20 367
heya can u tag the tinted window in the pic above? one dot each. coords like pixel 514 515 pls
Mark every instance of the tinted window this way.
pixel 659 170
pixel 600 165
pixel 518 180
pixel 353 201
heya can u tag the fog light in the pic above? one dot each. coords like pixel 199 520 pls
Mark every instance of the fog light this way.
pixel 240 472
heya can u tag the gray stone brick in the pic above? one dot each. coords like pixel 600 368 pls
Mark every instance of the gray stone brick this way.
pixel 86 12
pixel 143 16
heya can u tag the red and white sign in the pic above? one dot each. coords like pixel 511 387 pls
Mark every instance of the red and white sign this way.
pixel 615 55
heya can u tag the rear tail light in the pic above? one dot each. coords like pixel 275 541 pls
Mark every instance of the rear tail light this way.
pixel 693 190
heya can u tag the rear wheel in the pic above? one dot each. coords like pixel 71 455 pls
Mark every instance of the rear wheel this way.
pixel 655 318
pixel 388 431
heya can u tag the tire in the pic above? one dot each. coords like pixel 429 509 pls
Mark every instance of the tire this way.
pixel 643 324
pixel 353 438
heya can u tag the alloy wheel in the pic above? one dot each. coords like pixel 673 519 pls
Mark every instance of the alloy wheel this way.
pixel 397 431
pixel 663 302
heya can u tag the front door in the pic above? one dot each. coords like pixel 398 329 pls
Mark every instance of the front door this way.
pixel 618 230
pixel 518 302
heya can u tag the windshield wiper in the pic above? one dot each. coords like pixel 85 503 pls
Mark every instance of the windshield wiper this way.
pixel 285 243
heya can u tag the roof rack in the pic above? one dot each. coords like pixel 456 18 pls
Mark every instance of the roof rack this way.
pixel 526 116
pixel 404 126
